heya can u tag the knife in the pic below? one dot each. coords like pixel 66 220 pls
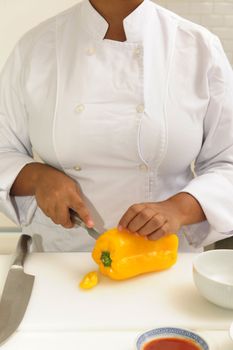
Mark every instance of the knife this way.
pixel 16 293
pixel 79 222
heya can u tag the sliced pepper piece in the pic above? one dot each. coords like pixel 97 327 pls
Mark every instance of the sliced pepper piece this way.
pixel 89 281
pixel 121 254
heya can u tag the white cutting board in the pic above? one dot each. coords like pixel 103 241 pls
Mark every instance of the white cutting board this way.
pixel 217 340
pixel 158 299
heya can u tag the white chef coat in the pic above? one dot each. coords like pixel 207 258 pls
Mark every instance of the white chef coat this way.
pixel 124 119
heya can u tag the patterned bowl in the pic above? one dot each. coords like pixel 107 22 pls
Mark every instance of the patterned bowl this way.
pixel 170 332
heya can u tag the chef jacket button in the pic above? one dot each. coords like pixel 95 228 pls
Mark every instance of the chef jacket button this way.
pixel 143 167
pixel 77 168
pixel 90 51
pixel 140 108
pixel 79 108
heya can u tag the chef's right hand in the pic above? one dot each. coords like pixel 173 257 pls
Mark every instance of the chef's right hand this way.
pixel 56 193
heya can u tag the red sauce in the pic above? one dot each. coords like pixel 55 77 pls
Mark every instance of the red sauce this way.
pixel 171 344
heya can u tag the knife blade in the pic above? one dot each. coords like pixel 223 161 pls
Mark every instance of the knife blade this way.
pixel 16 293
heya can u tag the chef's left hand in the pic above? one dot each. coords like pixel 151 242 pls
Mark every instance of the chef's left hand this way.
pixel 155 220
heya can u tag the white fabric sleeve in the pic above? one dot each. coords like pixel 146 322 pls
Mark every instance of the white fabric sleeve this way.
pixel 213 185
pixel 15 147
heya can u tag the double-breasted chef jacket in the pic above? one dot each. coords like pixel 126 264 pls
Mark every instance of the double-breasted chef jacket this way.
pixel 124 119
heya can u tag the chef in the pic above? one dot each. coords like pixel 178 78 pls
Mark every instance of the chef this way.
pixel 118 98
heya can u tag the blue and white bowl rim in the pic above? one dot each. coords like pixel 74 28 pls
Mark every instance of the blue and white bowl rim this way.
pixel 170 331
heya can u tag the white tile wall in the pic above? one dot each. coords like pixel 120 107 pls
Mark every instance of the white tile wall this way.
pixel 5 222
pixel 216 15
pixel 8 242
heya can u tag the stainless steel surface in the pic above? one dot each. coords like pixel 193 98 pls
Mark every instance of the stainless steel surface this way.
pixel 16 293
pixel 78 221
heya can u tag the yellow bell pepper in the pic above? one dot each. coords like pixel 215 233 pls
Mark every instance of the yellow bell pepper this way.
pixel 89 281
pixel 121 254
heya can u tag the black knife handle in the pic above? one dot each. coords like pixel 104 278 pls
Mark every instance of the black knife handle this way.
pixel 22 250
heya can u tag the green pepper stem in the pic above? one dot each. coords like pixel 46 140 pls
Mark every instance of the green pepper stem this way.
pixel 106 259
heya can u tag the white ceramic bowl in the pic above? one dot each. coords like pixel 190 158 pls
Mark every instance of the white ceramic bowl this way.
pixel 170 332
pixel 231 331
pixel 213 276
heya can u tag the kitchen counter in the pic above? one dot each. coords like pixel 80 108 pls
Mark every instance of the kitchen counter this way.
pixel 111 315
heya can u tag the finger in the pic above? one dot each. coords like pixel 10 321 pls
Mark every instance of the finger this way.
pixel 133 211
pixel 138 222
pixel 62 217
pixel 79 207
pixel 163 231
pixel 68 223
pixel 51 212
pixel 154 224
